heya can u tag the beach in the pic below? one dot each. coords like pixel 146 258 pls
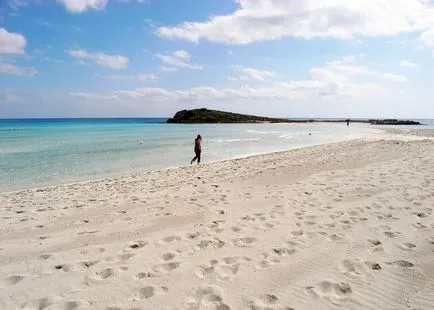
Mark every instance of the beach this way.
pixel 346 225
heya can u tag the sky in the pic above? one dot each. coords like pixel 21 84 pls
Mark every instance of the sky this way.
pixel 151 58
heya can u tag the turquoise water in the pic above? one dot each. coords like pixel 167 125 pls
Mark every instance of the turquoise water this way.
pixel 41 152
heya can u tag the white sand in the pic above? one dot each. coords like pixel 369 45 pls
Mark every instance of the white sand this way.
pixel 347 225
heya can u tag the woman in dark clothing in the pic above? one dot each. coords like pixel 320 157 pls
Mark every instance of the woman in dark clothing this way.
pixel 197 149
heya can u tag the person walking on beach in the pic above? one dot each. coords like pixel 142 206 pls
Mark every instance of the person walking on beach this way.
pixel 348 122
pixel 197 149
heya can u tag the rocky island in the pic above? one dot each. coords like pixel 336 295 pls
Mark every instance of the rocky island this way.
pixel 214 116
pixel 206 116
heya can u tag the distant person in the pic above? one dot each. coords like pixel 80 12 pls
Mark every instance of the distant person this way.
pixel 348 123
pixel 197 149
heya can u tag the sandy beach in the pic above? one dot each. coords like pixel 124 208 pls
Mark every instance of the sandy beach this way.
pixel 339 226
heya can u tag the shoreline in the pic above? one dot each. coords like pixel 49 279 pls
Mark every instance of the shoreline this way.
pixel 376 131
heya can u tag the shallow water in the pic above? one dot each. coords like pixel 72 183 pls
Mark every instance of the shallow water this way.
pixel 51 151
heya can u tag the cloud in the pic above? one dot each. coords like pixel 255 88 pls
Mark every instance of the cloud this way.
pixel 116 62
pixel 138 77
pixel 11 43
pixel 256 20
pixel 52 60
pixel 427 38
pixel 347 67
pixel 179 59
pixel 168 69
pixel 337 79
pixel 6 68
pixel 408 64
pixel 79 6
pixel 394 77
pixel 182 55
pixel 254 74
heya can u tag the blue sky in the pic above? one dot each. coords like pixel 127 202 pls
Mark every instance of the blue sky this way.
pixel 305 58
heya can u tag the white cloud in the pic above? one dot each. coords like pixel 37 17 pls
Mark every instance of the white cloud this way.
pixel 52 60
pixel 408 64
pixel 182 55
pixel 335 80
pixel 347 67
pixel 11 43
pixel 82 63
pixel 257 20
pixel 179 59
pixel 116 62
pixel 239 78
pixel 394 77
pixel 78 6
pixel 168 69
pixel 7 68
pixel 138 77
pixel 253 73
pixel 427 38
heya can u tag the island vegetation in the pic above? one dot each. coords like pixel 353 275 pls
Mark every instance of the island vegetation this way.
pixel 207 116
pixel 214 116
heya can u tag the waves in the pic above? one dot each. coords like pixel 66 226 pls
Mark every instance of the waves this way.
pixel 234 140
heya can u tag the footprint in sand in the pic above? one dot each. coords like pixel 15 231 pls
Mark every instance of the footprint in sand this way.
pixel 103 275
pixel 158 270
pixel 376 245
pixel 337 293
pixel 336 237
pixel 151 291
pixel 54 303
pixel 92 251
pixel 267 261
pixel 216 226
pixel 135 245
pixel 168 256
pixel 419 226
pixel 44 257
pixel 222 270
pixel 354 268
pixel 12 280
pixel 192 236
pixel 402 264
pixel 169 239
pixel 265 302
pixel 392 234
pixel 37 304
pixel 406 246
pixel 207 297
pixel 212 243
pixel 76 267
pixel 236 228
pixel 244 242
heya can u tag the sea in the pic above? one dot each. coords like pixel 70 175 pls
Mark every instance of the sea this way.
pixel 41 152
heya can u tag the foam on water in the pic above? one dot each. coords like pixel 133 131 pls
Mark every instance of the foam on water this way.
pixel 45 152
